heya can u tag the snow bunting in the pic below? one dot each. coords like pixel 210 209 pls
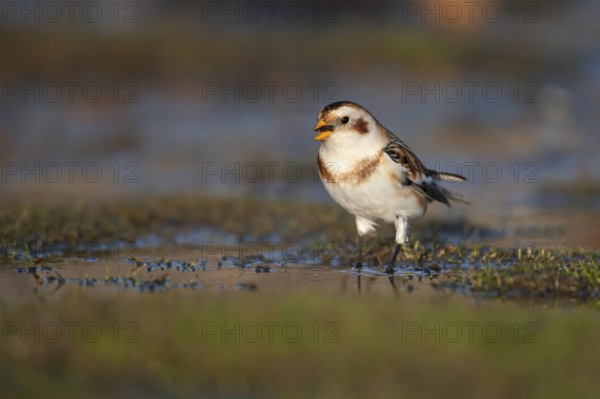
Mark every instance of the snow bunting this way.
pixel 373 174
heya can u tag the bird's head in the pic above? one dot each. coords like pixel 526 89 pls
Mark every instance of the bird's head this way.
pixel 344 120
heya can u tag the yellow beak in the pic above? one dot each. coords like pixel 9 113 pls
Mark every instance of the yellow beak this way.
pixel 323 130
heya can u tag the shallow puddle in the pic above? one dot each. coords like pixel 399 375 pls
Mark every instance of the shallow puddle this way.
pixel 519 253
pixel 148 275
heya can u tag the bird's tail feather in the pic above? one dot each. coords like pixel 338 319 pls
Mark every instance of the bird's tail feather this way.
pixel 454 196
pixel 452 177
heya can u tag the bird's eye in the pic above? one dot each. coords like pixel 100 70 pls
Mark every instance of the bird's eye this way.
pixel 345 120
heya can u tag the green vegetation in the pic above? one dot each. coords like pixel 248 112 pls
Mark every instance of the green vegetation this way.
pixel 340 346
pixel 29 222
pixel 454 256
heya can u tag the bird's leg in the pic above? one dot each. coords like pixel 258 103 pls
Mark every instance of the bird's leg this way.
pixel 390 267
pixel 360 242
pixel 401 238
pixel 359 263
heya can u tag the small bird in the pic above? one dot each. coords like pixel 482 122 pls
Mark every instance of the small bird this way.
pixel 373 174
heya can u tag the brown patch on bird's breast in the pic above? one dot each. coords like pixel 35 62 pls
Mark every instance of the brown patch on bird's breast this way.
pixel 359 172
pixel 327 173
pixel 364 168
pixel 362 126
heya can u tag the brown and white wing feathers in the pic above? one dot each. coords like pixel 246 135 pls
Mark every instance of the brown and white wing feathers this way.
pixel 416 176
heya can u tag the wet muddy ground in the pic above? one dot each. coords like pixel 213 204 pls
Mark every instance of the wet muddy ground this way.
pixel 202 244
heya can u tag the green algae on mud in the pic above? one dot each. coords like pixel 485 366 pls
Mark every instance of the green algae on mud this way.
pixel 453 254
pixel 30 222
pixel 87 229
pixel 27 222
pixel 569 276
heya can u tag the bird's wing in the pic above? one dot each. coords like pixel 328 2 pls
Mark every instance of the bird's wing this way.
pixel 417 176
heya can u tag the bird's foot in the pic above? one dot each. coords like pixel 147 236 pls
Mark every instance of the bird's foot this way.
pixel 358 266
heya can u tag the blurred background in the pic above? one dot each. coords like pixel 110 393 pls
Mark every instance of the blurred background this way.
pixel 124 98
